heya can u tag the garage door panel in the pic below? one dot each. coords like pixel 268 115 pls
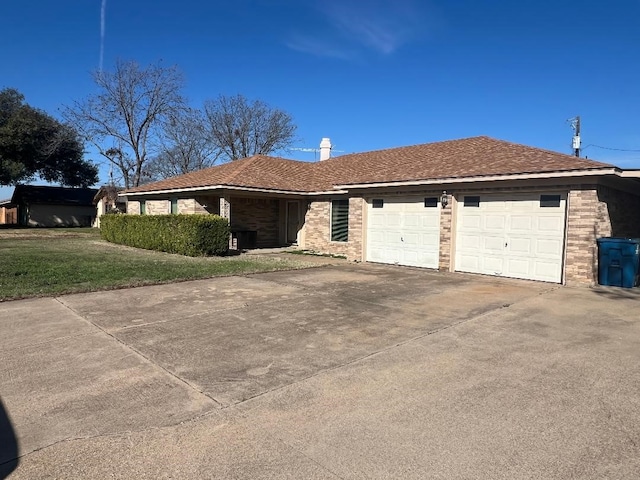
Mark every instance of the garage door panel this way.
pixel 471 221
pixel 548 271
pixel 492 244
pixel 392 238
pixel 470 241
pixel 427 259
pixel 392 220
pixel 408 234
pixel 410 221
pixel 376 220
pixel 376 254
pixel 411 239
pixel 551 224
pixel 511 236
pixel 376 238
pixel 518 266
pixel 493 264
pixel 391 255
pixel 410 257
pixel 521 246
pixel 495 222
pixel 431 222
pixel 521 223
pixel 468 263
pixel 550 246
pixel 430 241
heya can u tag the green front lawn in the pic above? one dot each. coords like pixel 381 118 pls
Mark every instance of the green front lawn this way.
pixel 45 262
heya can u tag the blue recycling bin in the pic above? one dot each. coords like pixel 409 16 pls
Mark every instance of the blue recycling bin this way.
pixel 619 262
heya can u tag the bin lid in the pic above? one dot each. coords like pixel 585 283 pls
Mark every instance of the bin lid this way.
pixel 618 240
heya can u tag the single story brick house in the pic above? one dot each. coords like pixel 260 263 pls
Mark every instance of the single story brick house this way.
pixel 476 205
pixel 45 206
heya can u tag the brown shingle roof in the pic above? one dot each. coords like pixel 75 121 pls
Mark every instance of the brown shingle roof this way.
pixel 259 171
pixel 469 157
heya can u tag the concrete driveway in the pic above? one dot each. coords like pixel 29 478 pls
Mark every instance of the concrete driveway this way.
pixel 343 371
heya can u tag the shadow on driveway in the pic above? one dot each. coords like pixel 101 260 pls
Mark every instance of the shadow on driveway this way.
pixel 8 444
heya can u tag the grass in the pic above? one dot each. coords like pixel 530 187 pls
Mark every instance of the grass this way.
pixel 48 262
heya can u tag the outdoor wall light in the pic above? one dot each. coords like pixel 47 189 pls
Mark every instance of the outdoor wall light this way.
pixel 444 199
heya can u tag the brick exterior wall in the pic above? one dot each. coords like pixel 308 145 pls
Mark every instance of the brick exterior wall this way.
pixel 186 206
pixel 596 212
pixel 259 214
pixel 446 236
pixel 158 207
pixel 585 223
pixel 317 234
pixel 133 207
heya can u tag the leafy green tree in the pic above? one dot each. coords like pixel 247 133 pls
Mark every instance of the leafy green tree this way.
pixel 34 144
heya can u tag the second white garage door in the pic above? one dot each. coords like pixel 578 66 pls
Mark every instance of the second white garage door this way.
pixel 513 236
pixel 404 231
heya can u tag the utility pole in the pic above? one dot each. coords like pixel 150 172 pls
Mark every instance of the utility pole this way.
pixel 575 124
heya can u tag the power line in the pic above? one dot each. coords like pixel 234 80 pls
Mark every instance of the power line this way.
pixel 610 148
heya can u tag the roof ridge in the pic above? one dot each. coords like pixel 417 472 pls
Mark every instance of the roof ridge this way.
pixel 439 142
pixel 244 163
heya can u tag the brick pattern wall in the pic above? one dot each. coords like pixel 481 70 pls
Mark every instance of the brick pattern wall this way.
pixel 318 229
pixel 596 212
pixel 186 206
pixel 158 207
pixel 446 237
pixel 260 214
pixel 585 223
pixel 133 207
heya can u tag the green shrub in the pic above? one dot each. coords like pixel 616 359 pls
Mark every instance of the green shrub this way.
pixel 192 235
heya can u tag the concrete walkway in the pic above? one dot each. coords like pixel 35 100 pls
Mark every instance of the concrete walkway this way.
pixel 343 371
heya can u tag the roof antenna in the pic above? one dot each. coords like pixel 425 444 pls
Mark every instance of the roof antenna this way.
pixel 325 149
pixel 575 143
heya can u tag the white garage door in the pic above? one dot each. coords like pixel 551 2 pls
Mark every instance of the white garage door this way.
pixel 512 236
pixel 404 231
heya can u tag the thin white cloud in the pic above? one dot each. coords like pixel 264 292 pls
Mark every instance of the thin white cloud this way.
pixel 319 47
pixel 103 30
pixel 381 26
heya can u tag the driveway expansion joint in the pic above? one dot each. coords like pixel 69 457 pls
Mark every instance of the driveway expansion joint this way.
pixel 141 355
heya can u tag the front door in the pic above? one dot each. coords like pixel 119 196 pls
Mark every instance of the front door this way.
pixel 292 222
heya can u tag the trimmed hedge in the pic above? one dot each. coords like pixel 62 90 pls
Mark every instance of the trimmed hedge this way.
pixel 192 235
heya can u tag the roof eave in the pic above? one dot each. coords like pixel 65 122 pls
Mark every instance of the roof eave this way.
pixel 211 188
pixel 635 173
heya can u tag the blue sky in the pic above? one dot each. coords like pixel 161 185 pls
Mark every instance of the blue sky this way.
pixel 369 74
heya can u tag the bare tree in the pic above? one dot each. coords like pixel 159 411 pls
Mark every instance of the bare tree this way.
pixel 184 147
pixel 125 118
pixel 240 128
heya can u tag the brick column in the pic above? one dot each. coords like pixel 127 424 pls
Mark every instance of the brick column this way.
pixel 446 232
pixel 225 207
pixel 582 226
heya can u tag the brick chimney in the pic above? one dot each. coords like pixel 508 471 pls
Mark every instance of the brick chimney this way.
pixel 325 149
